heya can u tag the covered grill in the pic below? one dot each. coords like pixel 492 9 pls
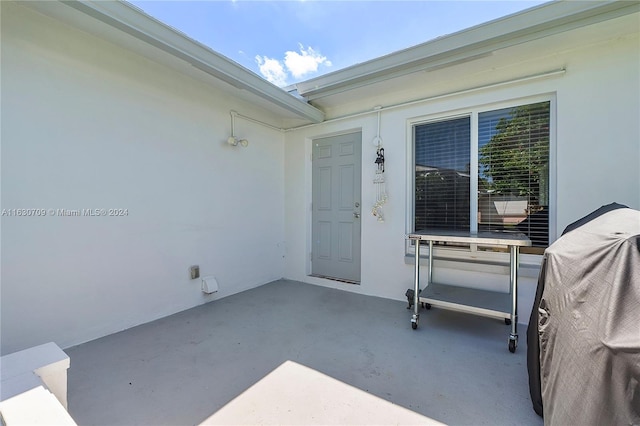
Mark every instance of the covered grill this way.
pixel 584 332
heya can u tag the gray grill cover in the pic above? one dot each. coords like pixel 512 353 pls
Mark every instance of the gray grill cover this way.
pixel 589 324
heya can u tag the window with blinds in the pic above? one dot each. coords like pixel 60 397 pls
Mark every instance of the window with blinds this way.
pixel 512 172
pixel 442 174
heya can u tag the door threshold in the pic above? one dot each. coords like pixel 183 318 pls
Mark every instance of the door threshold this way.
pixel 342 280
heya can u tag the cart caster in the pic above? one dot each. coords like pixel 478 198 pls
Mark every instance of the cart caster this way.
pixel 512 345
pixel 507 321
pixel 427 305
pixel 414 325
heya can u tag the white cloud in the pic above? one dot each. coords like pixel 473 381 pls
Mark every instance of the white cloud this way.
pixel 272 70
pixel 296 64
pixel 305 62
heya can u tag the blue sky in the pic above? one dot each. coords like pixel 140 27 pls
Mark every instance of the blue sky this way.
pixel 290 41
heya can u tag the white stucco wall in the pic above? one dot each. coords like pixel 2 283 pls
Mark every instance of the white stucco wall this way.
pixel 87 125
pixel 596 147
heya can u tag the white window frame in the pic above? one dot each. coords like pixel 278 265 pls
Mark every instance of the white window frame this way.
pixel 472 255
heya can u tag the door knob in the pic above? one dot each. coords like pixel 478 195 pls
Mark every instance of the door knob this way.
pixel 356 215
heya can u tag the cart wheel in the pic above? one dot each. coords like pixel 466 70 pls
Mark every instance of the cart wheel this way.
pixel 427 305
pixel 414 325
pixel 507 321
pixel 512 346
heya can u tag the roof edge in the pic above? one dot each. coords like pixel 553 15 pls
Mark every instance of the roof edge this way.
pixel 469 44
pixel 133 21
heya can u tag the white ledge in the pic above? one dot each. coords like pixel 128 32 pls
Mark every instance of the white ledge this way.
pixel 40 365
pixel 36 406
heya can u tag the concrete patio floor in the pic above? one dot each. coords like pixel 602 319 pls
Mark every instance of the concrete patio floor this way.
pixel 179 370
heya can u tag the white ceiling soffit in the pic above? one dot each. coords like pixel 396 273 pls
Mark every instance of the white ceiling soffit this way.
pixel 470 44
pixel 134 22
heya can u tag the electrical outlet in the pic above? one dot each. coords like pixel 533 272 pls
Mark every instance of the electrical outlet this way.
pixel 195 272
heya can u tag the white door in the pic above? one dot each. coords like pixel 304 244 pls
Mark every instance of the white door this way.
pixel 336 177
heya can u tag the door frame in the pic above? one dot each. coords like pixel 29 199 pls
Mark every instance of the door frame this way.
pixel 308 145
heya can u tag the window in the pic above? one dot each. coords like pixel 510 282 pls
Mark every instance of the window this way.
pixel 443 186
pixel 505 187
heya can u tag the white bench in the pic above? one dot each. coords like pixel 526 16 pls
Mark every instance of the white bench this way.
pixel 33 388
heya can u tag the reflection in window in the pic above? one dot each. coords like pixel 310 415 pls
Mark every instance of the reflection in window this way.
pixel 513 171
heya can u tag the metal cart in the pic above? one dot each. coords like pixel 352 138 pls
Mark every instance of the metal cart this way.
pixel 474 301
